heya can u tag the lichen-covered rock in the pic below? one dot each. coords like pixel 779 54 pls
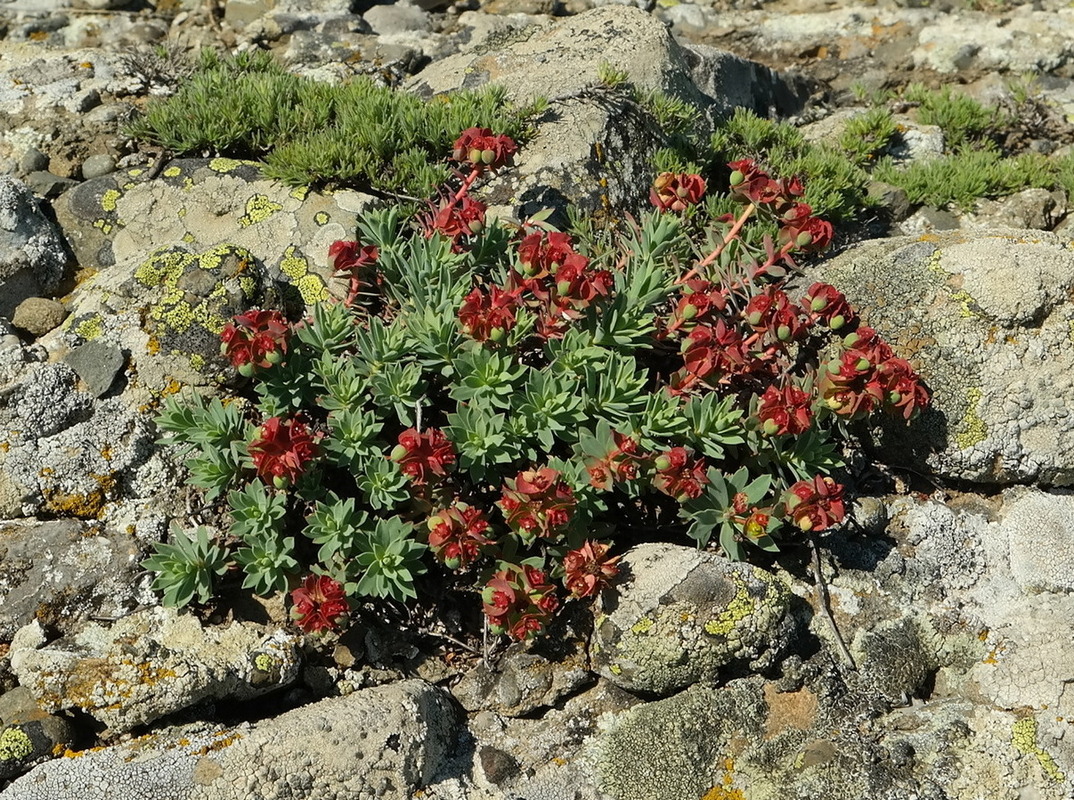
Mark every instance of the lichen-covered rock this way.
pixel 986 319
pixel 383 743
pixel 210 203
pixel 1039 527
pixel 593 148
pixel 678 616
pixel 62 572
pixel 32 256
pixel 28 736
pixel 153 663
pixel 520 683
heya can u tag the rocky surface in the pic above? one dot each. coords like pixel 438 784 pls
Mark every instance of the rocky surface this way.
pixel 692 678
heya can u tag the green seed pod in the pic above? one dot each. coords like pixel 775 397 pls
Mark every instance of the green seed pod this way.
pixel 737 177
pixel 488 156
pixel 783 333
pixel 755 318
pixel 475 156
pixel 496 334
pixel 818 304
pixel 280 481
pixel 476 226
pixel 770 427
pixel 246 370
pixel 862 364
pixel 837 322
pixel 563 287
pixel 398 453
pixel 689 311
pixel 804 239
pixel 274 357
pixel 662 463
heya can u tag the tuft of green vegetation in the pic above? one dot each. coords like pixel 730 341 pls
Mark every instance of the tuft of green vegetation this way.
pixel 311 133
pixel 961 118
pixel 964 177
pixel 867 135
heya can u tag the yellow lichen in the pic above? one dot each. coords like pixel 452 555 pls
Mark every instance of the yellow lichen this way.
pixel 725 789
pixel 740 607
pixel 172 172
pixel 88 505
pixel 225 165
pixel 321 218
pixel 91 327
pixel 312 289
pixel 973 429
pixel 300 192
pixel 643 625
pixel 110 198
pixel 15 745
pixel 258 208
pixel 197 361
pixel 1024 739
pixel 103 225
pixel 293 266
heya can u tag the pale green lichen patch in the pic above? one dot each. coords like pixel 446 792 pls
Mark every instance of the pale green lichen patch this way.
pixel 740 607
pixel 225 165
pixel 643 625
pixel 259 208
pixel 300 192
pixel 15 745
pixel 90 328
pixel 321 218
pixel 172 172
pixel 1024 739
pixel 973 429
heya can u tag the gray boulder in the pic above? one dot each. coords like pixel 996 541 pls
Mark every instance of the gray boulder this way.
pixel 678 616
pixel 986 319
pixel 592 146
pixel 32 255
pixel 383 743
pixel 153 663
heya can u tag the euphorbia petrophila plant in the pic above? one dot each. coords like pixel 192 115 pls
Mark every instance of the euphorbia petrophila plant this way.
pixel 503 400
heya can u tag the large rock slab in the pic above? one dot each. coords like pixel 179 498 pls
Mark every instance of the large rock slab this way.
pixel 987 320
pixel 678 616
pixel 592 147
pixel 150 664
pixel 383 743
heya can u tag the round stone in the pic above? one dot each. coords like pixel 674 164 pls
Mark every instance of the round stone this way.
pixel 38 315
pixel 98 165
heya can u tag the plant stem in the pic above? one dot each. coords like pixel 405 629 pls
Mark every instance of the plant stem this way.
pixel 824 602
pixel 731 236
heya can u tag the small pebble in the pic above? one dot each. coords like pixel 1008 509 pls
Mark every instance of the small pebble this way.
pixel 98 165
pixel 33 160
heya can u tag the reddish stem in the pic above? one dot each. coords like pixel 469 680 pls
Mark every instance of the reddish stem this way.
pixel 731 236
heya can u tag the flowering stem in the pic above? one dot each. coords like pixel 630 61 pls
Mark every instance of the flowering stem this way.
pixel 467 184
pixel 731 236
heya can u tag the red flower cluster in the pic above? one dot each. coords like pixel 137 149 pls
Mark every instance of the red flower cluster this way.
pixel 799 229
pixel 423 457
pixel 457 219
pixel 699 302
pixel 828 305
pixel 482 149
pixel 785 411
pixel 588 569
pixel 678 475
pixel 518 601
pixel 622 464
pixel 771 311
pixel 802 231
pixel 350 260
pixel 675 191
pixel 320 604
pixel 537 503
pixel 282 451
pixel 816 505
pixel 715 354
pixel 457 534
pixel 868 375
pixel 256 339
pixel 488 317
pixel 555 281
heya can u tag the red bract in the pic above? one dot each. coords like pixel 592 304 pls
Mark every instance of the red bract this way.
pixel 351 256
pixel 457 534
pixel 577 287
pixel 489 316
pixel 588 569
pixel 785 411
pixel 543 253
pixel 282 451
pixel 518 601
pixel 755 185
pixel 711 353
pixel 699 302
pixel 771 311
pixel 483 149
pixel 256 339
pixel 623 463
pixel 826 303
pixel 850 385
pixel 675 191
pixel 905 394
pixel 537 503
pixel 805 232
pixel 423 457
pixel 679 475
pixel 457 220
pixel 816 505
pixel 320 604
